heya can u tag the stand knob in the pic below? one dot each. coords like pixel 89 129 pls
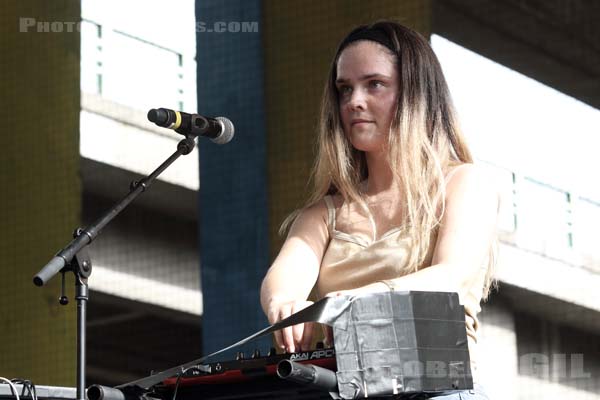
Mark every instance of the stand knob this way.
pixel 63 300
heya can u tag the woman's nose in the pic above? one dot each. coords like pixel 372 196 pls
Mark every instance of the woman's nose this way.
pixel 357 100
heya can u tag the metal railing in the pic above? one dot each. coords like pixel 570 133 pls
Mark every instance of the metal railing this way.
pixel 547 220
pixel 130 70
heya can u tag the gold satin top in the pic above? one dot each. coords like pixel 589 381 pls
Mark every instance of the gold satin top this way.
pixel 350 262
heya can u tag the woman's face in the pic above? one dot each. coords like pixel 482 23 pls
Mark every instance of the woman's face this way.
pixel 367 83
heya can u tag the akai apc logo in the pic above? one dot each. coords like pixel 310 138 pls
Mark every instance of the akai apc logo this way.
pixel 313 355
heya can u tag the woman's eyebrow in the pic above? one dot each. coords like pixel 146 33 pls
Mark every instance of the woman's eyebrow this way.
pixel 363 77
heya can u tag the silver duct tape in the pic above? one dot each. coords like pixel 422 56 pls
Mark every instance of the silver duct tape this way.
pixel 401 342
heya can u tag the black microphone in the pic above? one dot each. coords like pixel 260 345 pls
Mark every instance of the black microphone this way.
pixel 219 129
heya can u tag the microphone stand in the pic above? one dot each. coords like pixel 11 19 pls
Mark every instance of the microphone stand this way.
pixel 74 257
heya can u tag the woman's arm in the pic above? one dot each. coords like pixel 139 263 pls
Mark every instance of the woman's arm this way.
pixel 293 274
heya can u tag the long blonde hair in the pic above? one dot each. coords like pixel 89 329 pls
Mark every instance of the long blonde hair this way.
pixel 425 140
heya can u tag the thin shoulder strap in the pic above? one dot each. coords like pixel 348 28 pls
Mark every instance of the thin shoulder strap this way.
pixel 450 174
pixel 330 212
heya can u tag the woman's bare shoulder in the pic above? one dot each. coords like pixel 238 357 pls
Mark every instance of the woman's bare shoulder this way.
pixel 472 180
pixel 311 228
pixel 310 215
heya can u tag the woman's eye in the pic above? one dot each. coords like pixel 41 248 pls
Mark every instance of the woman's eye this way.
pixel 375 84
pixel 345 89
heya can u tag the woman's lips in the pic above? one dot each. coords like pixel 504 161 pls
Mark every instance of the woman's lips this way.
pixel 360 122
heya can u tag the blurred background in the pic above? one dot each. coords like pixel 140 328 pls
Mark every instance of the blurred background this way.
pixel 177 274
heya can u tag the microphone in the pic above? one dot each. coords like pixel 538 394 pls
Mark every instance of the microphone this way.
pixel 219 129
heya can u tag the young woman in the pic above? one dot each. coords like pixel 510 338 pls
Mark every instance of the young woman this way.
pixel 397 202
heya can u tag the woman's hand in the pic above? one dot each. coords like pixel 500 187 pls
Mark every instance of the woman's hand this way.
pixel 294 338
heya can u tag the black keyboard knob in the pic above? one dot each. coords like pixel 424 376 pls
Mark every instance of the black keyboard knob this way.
pixel 320 346
pixel 239 355
pixel 256 353
pixel 271 352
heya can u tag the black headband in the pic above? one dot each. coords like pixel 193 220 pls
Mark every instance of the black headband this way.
pixel 365 33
